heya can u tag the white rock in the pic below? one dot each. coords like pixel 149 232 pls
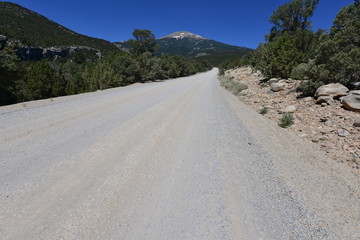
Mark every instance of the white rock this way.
pixel 276 87
pixel 335 90
pixel 289 109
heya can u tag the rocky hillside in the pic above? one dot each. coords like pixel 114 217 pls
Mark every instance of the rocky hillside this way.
pixel 331 119
pixel 35 30
pixel 191 45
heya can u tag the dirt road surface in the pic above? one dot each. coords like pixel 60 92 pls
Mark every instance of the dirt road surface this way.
pixel 180 159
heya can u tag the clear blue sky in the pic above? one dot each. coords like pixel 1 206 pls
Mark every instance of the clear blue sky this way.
pixel 237 22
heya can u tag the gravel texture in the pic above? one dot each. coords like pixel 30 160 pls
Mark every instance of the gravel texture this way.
pixel 180 159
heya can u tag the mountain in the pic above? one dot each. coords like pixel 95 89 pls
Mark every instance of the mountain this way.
pixel 33 29
pixel 192 45
pixel 183 35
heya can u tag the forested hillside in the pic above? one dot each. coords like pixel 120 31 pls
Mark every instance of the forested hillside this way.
pixel 32 29
pixel 38 59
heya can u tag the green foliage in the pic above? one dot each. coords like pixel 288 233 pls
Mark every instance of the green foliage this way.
pixel 309 87
pixel 213 52
pixel 280 57
pixel 238 87
pixel 225 60
pixel 10 72
pixel 289 43
pixel 318 58
pixel 126 67
pixel 71 74
pixel 233 86
pixel 337 56
pixel 286 120
pixel 144 41
pixel 205 49
pixel 264 110
pixel 41 82
pixel 292 17
pixel 301 71
pixel 81 72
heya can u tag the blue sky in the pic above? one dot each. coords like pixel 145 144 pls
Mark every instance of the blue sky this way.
pixel 237 22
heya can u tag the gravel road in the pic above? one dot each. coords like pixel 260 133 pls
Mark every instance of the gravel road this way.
pixel 179 159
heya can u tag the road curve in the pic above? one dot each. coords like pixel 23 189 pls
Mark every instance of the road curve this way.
pixel 179 159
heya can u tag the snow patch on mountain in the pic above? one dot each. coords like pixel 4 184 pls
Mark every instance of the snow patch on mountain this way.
pixel 182 35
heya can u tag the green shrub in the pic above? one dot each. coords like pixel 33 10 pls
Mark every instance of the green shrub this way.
pixel 309 87
pixel 264 110
pixel 286 120
pixel 228 85
pixel 238 87
pixel 280 57
pixel 301 71
pixel 226 81
pixel 233 86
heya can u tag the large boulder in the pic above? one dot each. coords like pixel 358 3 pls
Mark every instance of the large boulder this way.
pixel 277 86
pixel 352 101
pixel 334 90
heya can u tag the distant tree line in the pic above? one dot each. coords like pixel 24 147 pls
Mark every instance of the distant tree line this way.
pixel 79 73
pixel 293 50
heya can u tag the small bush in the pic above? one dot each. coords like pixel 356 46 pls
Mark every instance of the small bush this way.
pixel 230 84
pixel 309 87
pixel 238 87
pixel 227 82
pixel 264 110
pixel 286 120
pixel 301 71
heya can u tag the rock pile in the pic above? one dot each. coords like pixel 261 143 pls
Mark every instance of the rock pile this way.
pixel 329 124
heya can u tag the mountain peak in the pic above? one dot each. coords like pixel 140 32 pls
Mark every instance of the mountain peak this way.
pixel 183 34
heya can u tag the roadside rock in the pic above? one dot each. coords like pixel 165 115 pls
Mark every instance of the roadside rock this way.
pixel 328 124
pixel 257 74
pixel 289 109
pixel 273 80
pixel 324 99
pixel 334 90
pixel 352 101
pixel 277 86
pixel 343 133
pixel 246 92
pixel 325 118
pixel 357 123
pixel 327 130
pixel 308 99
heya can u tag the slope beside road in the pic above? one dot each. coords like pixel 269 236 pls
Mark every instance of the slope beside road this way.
pixel 180 159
